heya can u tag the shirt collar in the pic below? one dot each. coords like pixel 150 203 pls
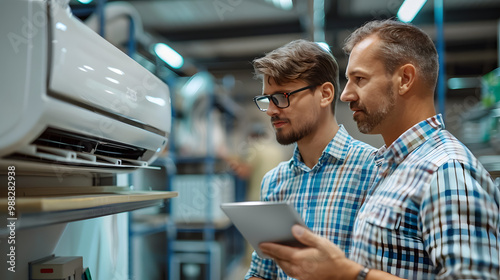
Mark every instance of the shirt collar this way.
pixel 410 140
pixel 337 148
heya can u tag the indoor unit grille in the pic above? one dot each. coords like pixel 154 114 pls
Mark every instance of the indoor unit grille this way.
pixel 65 148
pixel 63 140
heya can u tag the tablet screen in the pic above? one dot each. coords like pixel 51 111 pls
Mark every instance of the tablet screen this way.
pixel 260 221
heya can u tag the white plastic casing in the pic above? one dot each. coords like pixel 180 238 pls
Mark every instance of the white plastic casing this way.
pixel 58 73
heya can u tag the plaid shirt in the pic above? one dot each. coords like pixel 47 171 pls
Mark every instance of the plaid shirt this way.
pixel 328 196
pixel 433 211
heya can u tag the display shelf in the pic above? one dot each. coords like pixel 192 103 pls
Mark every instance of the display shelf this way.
pixel 218 224
pixel 45 206
pixel 492 163
pixel 147 224
pixel 200 165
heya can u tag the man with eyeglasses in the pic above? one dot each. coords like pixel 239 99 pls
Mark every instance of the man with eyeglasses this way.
pixel 327 177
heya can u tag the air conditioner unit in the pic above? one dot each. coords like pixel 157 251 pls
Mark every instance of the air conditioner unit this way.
pixel 71 99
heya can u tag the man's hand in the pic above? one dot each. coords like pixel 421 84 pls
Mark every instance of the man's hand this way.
pixel 321 259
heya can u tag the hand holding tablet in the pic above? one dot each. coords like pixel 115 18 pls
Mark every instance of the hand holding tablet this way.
pixel 260 221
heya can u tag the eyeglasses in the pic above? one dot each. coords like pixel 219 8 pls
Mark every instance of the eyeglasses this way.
pixel 279 99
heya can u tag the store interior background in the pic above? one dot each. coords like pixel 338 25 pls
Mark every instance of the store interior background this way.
pixel 218 39
pixel 224 36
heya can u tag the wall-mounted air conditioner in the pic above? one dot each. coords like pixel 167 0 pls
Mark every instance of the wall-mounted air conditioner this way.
pixel 71 99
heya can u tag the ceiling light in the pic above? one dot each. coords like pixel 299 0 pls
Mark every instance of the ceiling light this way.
pixel 85 1
pixel 465 82
pixel 194 84
pixel 286 4
pixel 409 9
pixel 282 4
pixel 324 46
pixel 169 55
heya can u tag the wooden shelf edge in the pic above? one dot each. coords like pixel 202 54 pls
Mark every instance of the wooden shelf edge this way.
pixel 37 204
pixel 35 211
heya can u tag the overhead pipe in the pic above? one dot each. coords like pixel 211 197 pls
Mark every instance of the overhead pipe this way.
pixel 440 46
pixel 315 21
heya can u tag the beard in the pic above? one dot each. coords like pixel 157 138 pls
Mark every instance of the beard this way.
pixel 367 122
pixel 294 135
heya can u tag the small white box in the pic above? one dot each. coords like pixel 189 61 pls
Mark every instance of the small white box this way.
pixel 58 268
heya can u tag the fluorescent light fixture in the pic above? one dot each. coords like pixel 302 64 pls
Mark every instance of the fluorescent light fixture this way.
pixel 286 4
pixel 193 85
pixel 85 1
pixel 169 55
pixel 282 4
pixel 409 9
pixel 324 46
pixel 466 82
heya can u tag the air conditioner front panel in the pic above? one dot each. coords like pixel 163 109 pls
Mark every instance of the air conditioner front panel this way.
pixel 47 94
pixel 88 71
pixel 23 59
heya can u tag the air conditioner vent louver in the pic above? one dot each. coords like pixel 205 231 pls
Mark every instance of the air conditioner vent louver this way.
pixel 63 140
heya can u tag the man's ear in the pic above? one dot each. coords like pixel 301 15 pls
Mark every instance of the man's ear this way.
pixel 327 94
pixel 407 75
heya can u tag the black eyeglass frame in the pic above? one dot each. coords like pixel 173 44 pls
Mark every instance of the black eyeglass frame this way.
pixel 286 94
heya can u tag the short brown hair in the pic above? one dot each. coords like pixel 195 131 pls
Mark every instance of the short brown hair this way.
pixel 300 60
pixel 401 43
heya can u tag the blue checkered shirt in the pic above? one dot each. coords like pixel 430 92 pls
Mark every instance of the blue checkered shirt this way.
pixel 433 211
pixel 328 196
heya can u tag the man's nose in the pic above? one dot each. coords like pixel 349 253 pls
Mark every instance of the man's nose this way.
pixel 272 109
pixel 348 95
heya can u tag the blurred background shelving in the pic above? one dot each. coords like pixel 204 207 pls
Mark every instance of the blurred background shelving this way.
pixel 213 109
pixel 213 117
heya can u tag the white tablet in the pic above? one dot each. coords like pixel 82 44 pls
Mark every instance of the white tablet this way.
pixel 261 222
